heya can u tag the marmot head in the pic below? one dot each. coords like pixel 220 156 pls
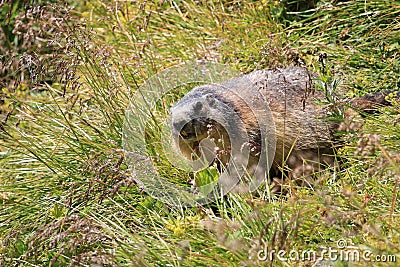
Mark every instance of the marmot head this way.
pixel 196 117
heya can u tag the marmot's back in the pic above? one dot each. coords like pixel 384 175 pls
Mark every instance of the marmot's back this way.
pixel 299 120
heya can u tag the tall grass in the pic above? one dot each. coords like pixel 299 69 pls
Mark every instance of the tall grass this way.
pixel 67 198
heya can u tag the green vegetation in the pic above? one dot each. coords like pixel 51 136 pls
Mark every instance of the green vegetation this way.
pixel 68 71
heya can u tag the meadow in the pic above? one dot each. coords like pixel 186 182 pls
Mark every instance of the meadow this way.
pixel 68 73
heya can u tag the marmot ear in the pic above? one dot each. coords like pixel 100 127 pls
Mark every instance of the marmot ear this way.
pixel 210 99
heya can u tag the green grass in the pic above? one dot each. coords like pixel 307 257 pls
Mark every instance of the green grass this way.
pixel 68 198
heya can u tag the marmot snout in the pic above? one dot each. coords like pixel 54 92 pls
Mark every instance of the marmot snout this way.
pixel 196 118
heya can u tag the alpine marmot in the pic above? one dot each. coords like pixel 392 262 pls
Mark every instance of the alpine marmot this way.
pixel 303 131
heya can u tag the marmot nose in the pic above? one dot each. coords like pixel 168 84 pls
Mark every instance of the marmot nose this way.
pixel 190 129
pixel 188 135
pixel 178 126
